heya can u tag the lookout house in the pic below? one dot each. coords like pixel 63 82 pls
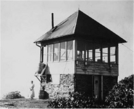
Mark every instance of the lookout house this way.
pixel 81 55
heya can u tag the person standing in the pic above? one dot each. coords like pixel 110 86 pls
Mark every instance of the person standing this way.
pixel 32 94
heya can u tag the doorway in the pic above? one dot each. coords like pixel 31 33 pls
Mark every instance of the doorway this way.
pixel 97 87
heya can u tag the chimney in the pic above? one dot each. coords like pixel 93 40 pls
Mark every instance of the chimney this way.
pixel 52 20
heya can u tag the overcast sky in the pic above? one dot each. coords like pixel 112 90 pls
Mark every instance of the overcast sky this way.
pixel 22 22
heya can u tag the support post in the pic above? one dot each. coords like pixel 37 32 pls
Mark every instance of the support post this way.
pixel 93 85
pixel 66 50
pixel 41 54
pixel 102 87
pixel 87 55
pixel 84 51
pixel 74 49
pixel 109 55
pixel 93 54
pixel 47 53
pixel 101 54
pixel 59 47
pixel 116 54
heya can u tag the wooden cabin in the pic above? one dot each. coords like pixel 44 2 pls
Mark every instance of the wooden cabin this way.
pixel 82 55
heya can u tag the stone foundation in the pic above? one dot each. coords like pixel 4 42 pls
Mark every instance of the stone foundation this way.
pixel 80 83
pixel 61 90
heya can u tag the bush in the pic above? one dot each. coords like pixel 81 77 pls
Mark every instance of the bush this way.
pixel 75 100
pixel 121 96
pixel 13 95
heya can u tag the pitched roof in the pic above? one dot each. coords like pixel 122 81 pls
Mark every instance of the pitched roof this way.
pixel 82 25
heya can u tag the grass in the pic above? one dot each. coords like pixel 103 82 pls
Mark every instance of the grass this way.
pixel 24 103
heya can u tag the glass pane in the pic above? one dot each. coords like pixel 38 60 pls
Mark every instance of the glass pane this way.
pixel 45 55
pixel 97 55
pixel 90 55
pixel 105 55
pixel 56 52
pixel 69 50
pixel 62 51
pixel 112 54
pixel 86 55
pixel 50 52
pixel 81 54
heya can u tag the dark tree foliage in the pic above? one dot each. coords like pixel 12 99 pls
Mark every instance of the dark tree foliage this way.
pixel 122 94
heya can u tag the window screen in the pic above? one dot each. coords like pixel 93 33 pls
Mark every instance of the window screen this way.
pixel 62 51
pixel 69 50
pixel 56 52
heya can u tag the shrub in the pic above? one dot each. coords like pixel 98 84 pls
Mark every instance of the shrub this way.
pixel 121 96
pixel 75 100
pixel 13 95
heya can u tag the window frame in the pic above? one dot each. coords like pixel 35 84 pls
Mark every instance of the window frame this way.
pixel 67 50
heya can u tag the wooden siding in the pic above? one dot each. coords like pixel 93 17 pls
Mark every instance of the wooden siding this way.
pixel 98 69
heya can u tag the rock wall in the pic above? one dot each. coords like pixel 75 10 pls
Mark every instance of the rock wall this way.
pixel 60 90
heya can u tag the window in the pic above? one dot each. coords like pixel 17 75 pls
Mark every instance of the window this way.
pixel 62 51
pixel 50 52
pixel 89 49
pixel 97 55
pixel 69 50
pixel 45 55
pixel 112 55
pixel 105 55
pixel 81 52
pixel 56 52
pixel 90 53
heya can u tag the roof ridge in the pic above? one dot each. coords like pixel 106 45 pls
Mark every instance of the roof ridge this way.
pixel 76 21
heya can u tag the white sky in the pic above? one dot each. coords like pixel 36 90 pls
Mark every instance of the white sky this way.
pixel 22 22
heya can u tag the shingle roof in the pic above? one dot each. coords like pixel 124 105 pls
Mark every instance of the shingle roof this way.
pixel 80 24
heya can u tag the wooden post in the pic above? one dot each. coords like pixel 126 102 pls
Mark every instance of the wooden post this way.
pixel 116 54
pixel 74 49
pixel 93 54
pixel 84 51
pixel 59 48
pixel 108 55
pixel 44 54
pixel 75 58
pixel 52 53
pixel 101 54
pixel 87 55
pixel 41 54
pixel 102 87
pixel 66 50
pixel 47 53
pixel 92 85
